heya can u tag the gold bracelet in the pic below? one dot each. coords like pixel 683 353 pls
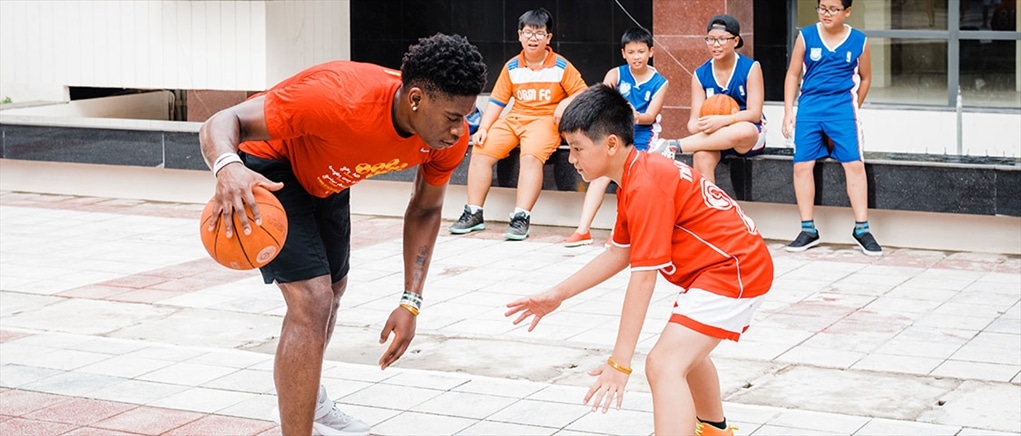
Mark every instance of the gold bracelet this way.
pixel 412 309
pixel 613 364
pixel 733 119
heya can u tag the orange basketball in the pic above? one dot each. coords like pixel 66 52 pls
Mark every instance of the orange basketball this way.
pixel 241 251
pixel 718 104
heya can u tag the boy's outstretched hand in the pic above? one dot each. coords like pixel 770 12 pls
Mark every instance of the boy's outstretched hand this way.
pixel 609 384
pixel 536 306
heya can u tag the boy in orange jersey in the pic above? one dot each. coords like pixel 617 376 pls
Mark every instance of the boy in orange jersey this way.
pixel 541 82
pixel 670 220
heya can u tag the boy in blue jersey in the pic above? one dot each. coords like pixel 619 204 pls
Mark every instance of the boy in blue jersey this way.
pixel 726 72
pixel 837 74
pixel 645 89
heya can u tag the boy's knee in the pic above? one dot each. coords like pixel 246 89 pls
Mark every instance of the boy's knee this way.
pixel 655 365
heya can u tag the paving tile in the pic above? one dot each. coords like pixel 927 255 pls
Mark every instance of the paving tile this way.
pixel 244 380
pixel 973 402
pixel 73 383
pixel 976 370
pixel 14 375
pixel 148 420
pixel 80 411
pixel 147 295
pixel 898 364
pixel 136 391
pixel 501 387
pixel 259 407
pixel 18 402
pixel 410 423
pixel 615 422
pixel 391 396
pixel 90 431
pixel 465 405
pixel 428 379
pixel 778 430
pixel 506 428
pixel 823 357
pixel 541 413
pixel 30 427
pixel 202 400
pixel 125 366
pixel 223 426
pixel 189 374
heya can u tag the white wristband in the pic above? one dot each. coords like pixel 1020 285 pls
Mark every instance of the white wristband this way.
pixel 224 160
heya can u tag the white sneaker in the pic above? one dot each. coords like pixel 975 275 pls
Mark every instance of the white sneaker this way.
pixel 330 421
pixel 666 147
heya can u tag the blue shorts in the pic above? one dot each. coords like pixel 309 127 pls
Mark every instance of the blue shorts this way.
pixel 810 141
pixel 318 229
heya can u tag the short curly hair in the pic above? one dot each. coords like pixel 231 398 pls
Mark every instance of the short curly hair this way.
pixel 445 63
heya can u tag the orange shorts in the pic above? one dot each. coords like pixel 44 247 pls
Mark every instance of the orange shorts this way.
pixel 538 137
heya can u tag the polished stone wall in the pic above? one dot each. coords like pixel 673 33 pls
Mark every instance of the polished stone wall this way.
pixel 912 182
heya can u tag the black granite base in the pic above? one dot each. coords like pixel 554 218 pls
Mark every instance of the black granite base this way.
pixel 897 181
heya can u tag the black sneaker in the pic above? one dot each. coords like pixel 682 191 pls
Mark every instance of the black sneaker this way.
pixel 518 228
pixel 868 244
pixel 804 241
pixel 469 222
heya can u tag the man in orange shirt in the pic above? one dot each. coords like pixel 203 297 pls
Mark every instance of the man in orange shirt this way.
pixel 671 220
pixel 540 81
pixel 309 139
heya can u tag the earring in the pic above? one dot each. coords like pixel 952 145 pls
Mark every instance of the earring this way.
pixel 414 108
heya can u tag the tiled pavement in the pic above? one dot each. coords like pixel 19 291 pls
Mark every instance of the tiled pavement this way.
pixel 114 321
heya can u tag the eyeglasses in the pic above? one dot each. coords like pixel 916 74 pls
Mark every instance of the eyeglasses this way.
pixel 828 12
pixel 715 41
pixel 528 34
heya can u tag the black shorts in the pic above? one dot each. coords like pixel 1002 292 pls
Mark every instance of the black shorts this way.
pixel 318 229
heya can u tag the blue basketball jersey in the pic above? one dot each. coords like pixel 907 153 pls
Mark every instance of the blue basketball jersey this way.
pixel 640 95
pixel 829 87
pixel 736 87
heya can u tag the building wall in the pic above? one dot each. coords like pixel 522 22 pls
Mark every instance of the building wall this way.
pixel 680 49
pixel 46 46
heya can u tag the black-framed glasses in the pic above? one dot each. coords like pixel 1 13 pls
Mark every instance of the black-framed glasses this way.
pixel 529 34
pixel 714 41
pixel 828 12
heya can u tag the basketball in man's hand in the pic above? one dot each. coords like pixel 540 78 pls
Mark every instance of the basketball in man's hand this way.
pixel 241 251
pixel 718 104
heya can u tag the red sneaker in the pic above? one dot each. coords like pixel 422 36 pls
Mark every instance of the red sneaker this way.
pixel 578 239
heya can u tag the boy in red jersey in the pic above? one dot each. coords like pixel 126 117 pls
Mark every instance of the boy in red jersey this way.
pixel 309 139
pixel 673 221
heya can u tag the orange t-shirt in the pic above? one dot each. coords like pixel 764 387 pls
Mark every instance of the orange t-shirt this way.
pixel 679 223
pixel 333 123
pixel 536 92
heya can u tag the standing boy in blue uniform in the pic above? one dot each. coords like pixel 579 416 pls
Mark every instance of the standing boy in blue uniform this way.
pixel 837 74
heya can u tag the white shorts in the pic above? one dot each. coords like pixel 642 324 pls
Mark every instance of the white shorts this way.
pixel 713 314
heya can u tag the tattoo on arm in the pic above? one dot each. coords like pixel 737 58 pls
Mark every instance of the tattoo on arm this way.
pixel 420 260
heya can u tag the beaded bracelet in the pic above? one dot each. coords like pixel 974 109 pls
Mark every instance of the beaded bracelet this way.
pixel 613 364
pixel 412 299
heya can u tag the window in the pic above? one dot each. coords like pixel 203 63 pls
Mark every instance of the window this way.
pixel 923 51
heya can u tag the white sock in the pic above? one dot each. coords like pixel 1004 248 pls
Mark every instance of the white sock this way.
pixel 518 210
pixel 473 208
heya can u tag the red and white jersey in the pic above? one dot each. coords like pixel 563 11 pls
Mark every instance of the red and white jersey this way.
pixel 677 222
